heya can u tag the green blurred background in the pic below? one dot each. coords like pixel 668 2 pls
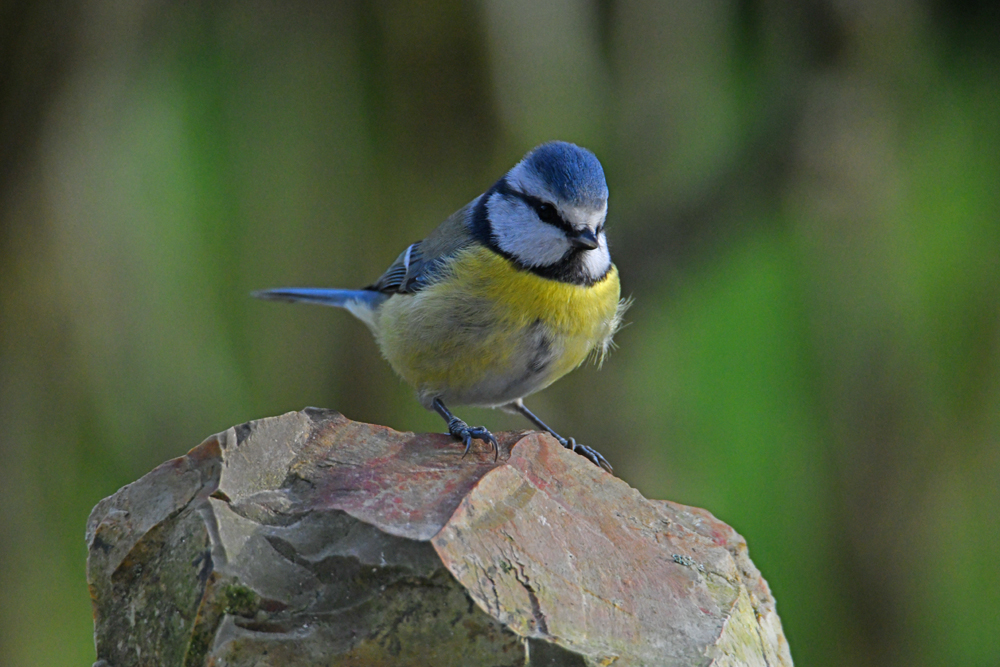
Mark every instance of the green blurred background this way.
pixel 805 207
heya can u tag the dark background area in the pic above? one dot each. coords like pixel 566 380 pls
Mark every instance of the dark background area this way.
pixel 805 205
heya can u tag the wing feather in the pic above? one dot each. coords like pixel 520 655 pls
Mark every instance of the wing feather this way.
pixel 418 265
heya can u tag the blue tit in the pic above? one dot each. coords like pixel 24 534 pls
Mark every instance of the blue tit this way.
pixel 506 296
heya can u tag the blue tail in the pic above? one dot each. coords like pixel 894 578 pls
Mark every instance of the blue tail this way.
pixel 322 296
pixel 362 303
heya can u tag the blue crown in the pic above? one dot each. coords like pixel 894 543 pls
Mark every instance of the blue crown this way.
pixel 573 173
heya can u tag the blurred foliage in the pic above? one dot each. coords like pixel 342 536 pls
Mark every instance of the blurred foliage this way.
pixel 805 206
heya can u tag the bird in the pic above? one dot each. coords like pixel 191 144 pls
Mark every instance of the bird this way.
pixel 507 295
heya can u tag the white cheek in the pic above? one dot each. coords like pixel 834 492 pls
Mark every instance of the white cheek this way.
pixel 596 262
pixel 519 232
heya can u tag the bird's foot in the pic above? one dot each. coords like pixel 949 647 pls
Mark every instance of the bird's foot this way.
pixel 590 453
pixel 459 429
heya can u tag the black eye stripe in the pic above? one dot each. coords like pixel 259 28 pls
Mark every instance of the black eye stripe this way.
pixel 546 212
pixel 539 206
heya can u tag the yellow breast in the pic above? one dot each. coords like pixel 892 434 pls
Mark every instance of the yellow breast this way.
pixel 521 298
pixel 468 336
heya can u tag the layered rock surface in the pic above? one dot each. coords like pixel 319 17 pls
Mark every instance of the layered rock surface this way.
pixel 310 539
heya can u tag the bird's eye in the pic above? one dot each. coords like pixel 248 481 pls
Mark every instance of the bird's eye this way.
pixel 547 213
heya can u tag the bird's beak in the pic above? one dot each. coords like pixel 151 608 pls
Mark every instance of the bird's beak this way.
pixel 585 239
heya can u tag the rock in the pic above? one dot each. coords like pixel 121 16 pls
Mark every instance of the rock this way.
pixel 309 539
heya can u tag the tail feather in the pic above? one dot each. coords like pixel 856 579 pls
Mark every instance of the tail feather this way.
pixel 359 302
pixel 318 295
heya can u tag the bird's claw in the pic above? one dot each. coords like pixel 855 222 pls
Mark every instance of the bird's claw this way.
pixel 589 453
pixel 459 429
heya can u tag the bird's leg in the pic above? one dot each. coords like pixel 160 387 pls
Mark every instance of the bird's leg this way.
pixel 459 429
pixel 569 443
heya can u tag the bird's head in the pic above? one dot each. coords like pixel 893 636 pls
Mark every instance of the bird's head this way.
pixel 548 212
